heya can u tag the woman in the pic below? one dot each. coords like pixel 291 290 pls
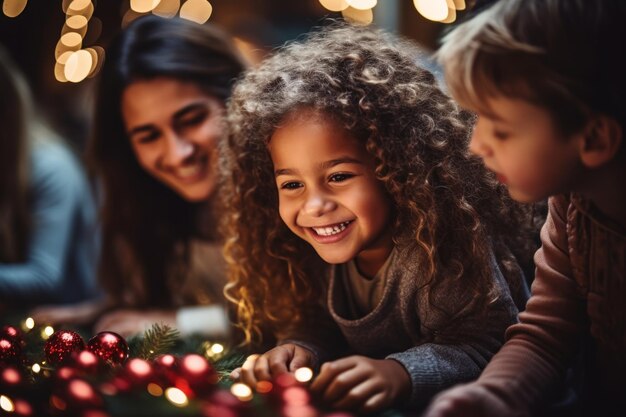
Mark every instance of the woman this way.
pixel 158 119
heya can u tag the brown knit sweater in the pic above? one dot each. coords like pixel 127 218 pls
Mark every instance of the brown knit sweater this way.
pixel 578 295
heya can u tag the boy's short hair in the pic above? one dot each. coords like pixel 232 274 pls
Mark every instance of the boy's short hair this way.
pixel 567 56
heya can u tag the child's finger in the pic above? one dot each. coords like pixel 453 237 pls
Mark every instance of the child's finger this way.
pixel 235 374
pixel 247 371
pixel 358 396
pixel 328 372
pixel 344 385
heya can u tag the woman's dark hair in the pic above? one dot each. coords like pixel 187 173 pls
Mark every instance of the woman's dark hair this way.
pixel 146 225
pixel 15 113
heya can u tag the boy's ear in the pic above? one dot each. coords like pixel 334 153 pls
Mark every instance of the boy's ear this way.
pixel 602 139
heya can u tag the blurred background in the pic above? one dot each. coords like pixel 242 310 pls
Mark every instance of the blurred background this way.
pixel 60 44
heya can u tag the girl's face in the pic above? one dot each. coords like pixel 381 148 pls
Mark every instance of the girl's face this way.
pixel 328 193
pixel 521 143
pixel 173 128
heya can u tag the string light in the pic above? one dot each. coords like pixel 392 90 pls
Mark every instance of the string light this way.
pixel 362 4
pixel 335 5
pixel 198 11
pixel 29 323
pixel 6 404
pixel 13 8
pixel 154 389
pixel 144 6
pixel 303 374
pixel 241 391
pixel 167 8
pixel 78 5
pixel 176 397
pixel 359 17
pixel 78 66
pixel 76 21
pixel 436 10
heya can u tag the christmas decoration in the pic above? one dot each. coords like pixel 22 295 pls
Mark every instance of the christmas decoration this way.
pixel 12 333
pixel 110 347
pixel 183 378
pixel 10 350
pixel 62 344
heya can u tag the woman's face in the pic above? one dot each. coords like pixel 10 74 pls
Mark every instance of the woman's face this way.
pixel 173 128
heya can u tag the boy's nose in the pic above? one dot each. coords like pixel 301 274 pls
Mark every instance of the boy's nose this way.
pixel 478 147
pixel 317 205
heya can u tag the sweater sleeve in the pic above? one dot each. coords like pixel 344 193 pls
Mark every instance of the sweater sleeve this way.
pixel 541 347
pixel 460 350
pixel 55 194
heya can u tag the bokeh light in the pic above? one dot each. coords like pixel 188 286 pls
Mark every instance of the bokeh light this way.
pixel 167 8
pixel 13 8
pixel 362 4
pixel 335 5
pixel 198 11
pixel 436 10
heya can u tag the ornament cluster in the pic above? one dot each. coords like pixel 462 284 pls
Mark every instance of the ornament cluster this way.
pixel 99 378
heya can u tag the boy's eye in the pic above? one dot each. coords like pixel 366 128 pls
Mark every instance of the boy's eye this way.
pixel 193 119
pixel 290 185
pixel 340 177
pixel 501 135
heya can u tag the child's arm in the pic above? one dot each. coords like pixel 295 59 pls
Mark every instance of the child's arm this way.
pixel 524 373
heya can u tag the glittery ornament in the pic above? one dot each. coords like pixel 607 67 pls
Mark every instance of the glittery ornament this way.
pixel 139 372
pixel 12 333
pixel 61 344
pixel 200 376
pixel 110 347
pixel 76 395
pixel 86 361
pixel 10 350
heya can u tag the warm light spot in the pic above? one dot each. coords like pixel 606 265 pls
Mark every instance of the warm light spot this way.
pixel 86 11
pixel 296 396
pixel 195 363
pixel 59 72
pixel 129 16
pixel 6 404
pixel 78 4
pixel 29 323
pixel 13 8
pixel 217 348
pixel 359 17
pixel 303 374
pixel 451 12
pixel 155 389
pixel 167 8
pixel 436 10
pixel 77 67
pixel 76 22
pixel 22 408
pixel 335 5
pixel 71 39
pixel 48 330
pixel 167 360
pixel 62 59
pixel 11 376
pixel 143 6
pixel 305 411
pixel 459 4
pixel 139 367
pixel 241 391
pixel 36 368
pixel 81 389
pixel 94 61
pixel 176 397
pixel 362 4
pixel 57 403
pixel 264 387
pixel 198 11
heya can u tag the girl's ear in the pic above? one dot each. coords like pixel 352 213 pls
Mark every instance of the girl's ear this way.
pixel 602 139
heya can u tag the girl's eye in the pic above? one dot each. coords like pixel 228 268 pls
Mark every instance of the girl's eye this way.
pixel 193 119
pixel 290 185
pixel 340 177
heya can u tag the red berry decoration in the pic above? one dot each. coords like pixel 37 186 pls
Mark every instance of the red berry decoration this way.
pixel 10 350
pixel 61 345
pixel 12 333
pixel 110 347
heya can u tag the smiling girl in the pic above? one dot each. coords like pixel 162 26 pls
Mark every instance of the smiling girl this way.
pixel 359 227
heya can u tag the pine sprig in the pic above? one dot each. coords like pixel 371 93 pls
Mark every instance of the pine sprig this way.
pixel 157 340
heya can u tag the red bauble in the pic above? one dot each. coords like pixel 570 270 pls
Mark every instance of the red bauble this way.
pixel 10 350
pixel 110 347
pixel 139 372
pixel 61 345
pixel 86 361
pixel 196 374
pixel 12 333
pixel 74 396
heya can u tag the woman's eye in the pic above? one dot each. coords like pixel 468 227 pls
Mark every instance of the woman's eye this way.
pixel 291 185
pixel 147 138
pixel 340 177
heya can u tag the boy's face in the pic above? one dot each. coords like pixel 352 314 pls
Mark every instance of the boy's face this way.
pixel 522 144
pixel 328 193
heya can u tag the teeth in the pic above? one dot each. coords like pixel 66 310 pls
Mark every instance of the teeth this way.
pixel 189 171
pixel 329 231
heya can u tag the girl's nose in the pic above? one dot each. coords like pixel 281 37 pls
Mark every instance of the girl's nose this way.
pixel 318 205
pixel 177 149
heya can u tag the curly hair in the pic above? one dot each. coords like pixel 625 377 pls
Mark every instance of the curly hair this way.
pixel 446 203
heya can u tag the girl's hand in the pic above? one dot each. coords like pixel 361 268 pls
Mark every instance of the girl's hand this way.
pixel 362 384
pixel 282 359
pixel 469 400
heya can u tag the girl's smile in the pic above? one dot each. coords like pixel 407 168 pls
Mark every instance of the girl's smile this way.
pixel 328 192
